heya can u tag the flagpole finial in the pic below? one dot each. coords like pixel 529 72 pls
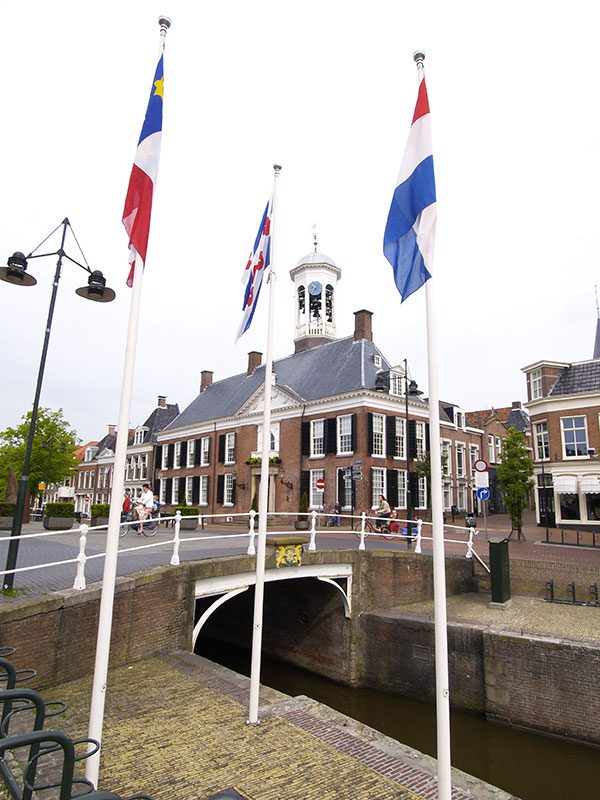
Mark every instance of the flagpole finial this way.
pixel 419 57
pixel 165 24
pixel 277 168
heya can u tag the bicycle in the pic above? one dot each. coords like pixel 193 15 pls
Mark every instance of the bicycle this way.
pixel 370 527
pixel 148 528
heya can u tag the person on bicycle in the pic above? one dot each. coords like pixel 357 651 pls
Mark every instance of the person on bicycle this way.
pixel 126 507
pixel 145 504
pixel 383 510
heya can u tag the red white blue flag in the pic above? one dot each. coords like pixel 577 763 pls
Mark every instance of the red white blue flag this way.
pixel 410 231
pixel 258 263
pixel 138 203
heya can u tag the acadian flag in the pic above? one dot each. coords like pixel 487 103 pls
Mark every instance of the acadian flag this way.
pixel 410 231
pixel 138 203
pixel 259 261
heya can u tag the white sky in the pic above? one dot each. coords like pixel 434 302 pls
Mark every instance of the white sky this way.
pixel 327 88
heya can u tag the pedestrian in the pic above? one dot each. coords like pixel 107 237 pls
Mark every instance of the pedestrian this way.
pixel 126 507
pixel 337 510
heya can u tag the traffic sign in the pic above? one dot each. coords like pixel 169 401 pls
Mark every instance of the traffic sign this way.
pixel 41 486
pixel 480 465
pixel 358 461
pixel 320 484
pixel 357 475
pixel 483 493
pixel 482 479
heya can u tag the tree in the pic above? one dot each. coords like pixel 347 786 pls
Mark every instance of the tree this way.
pixel 514 477
pixel 423 470
pixel 52 455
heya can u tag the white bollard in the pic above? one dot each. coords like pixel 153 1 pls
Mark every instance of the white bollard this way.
pixel 175 562
pixel 470 543
pixel 251 551
pixel 363 519
pixel 79 582
pixel 313 531
pixel 418 541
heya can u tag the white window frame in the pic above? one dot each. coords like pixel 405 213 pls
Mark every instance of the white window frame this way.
pixel 228 488
pixel 473 457
pixel 189 482
pixel 317 438
pixel 378 436
pixel 401 488
pixel 191 449
pixel 445 446
pixel 562 434
pixel 400 438
pixel 491 449
pixel 347 489
pixel 541 440
pixel 230 449
pixel 378 485
pixel 420 438
pixel 461 498
pixel 139 437
pixel 175 491
pixel 205 451
pixel 447 495
pixel 203 491
pixel 460 460
pixel 143 461
pixel 498 449
pixel 344 435
pixel 535 384
pixel 165 457
pixel 422 492
pixel 177 456
pixel 397 384
pixel 460 419
pixel 316 495
pixel 162 491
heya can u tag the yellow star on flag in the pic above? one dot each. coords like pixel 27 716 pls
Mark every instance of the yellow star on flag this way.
pixel 159 87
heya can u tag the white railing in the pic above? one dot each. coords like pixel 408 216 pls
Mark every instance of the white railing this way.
pixel 320 524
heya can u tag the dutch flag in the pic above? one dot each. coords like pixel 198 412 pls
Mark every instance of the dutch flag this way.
pixel 410 231
pixel 258 263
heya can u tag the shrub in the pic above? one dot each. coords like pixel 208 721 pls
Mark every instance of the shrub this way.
pixel 100 510
pixel 7 509
pixel 188 511
pixel 59 509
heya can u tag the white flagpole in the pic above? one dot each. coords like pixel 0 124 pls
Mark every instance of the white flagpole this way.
pixel 263 496
pixel 442 690
pixel 112 535
pixel 114 518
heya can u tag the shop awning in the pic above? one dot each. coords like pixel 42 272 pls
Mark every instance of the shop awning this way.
pixel 590 484
pixel 565 484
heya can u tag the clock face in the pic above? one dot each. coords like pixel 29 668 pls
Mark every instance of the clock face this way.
pixel 314 288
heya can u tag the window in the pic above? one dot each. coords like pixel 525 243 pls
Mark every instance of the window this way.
pixel 447 496
pixel 461 498
pixel 401 488
pixel 569 506
pixel 377 361
pixel 317 437
pixel 128 468
pixel 175 492
pixel 460 460
pixel 473 457
pixel 378 435
pixel 460 419
pixel 397 383
pixel 203 496
pixel 204 451
pixel 165 457
pixel 177 458
pixel 188 490
pixel 592 501
pixel 574 433
pixel 143 467
pixel 400 437
pixel 422 493
pixel 420 438
pixel 316 495
pixel 377 485
pixel 139 437
pixel 491 450
pixel 191 447
pixel 162 495
pixel 445 447
pixel 535 384
pixel 274 439
pixel 229 483
pixel 345 498
pixel 498 448
pixel 344 435
pixel 230 448
pixel 541 441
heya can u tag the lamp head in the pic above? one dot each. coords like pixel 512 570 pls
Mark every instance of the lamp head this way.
pixel 96 289
pixel 413 389
pixel 15 271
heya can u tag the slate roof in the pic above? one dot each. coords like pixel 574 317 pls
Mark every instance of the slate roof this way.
pixel 158 420
pixel 335 368
pixel 578 379
pixel 516 417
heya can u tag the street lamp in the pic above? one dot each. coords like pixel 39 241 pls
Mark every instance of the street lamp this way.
pixel 412 390
pixel 16 273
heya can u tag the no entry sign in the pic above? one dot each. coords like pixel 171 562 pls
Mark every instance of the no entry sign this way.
pixel 320 484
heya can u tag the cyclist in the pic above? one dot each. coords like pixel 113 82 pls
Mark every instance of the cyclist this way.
pixel 383 510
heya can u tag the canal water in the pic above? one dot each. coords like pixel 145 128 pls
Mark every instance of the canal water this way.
pixel 529 766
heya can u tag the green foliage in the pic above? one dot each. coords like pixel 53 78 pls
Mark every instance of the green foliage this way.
pixel 59 509
pixel 188 511
pixel 255 461
pixel 423 470
pixel 514 475
pixel 98 510
pixel 303 507
pixel 52 455
pixel 7 509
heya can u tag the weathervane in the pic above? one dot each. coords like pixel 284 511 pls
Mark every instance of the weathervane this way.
pixel 315 242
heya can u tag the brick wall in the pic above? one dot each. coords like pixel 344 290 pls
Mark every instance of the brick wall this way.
pixel 529 578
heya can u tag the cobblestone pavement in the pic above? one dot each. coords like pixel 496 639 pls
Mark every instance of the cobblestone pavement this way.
pixel 175 728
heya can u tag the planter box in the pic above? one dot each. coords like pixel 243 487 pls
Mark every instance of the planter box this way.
pixel 58 523
pixel 189 523
pixel 301 524
pixel 6 523
pixel 98 521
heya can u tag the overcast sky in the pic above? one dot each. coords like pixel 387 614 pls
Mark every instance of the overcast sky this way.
pixel 328 89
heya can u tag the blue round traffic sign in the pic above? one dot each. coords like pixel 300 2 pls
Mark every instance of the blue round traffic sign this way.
pixel 483 493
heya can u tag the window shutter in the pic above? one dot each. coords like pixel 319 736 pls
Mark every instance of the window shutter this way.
pixel 427 444
pixel 196 488
pixel 221 458
pixel 370 433
pixel 156 488
pixel 168 490
pixel 411 438
pixel 220 488
pixel 392 487
pixel 390 435
pixel 233 491
pixel 341 486
pixel 158 457
pixel 234 448
pixel 183 454
pixel 182 500
pixel 305 438
pixel 413 488
pixel 353 429
pixel 331 435
pixel 170 456
pixel 304 484
pixel 197 450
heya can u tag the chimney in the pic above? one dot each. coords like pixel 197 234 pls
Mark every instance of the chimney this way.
pixel 516 405
pixel 363 327
pixel 254 359
pixel 206 377
pixel 162 401
pixel 112 429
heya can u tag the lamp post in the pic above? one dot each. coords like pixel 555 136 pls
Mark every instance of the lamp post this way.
pixel 16 273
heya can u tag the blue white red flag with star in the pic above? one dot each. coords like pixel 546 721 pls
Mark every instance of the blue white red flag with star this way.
pixel 410 231
pixel 258 263
pixel 138 203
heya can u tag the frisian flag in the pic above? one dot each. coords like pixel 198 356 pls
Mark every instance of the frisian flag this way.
pixel 138 203
pixel 409 237
pixel 258 263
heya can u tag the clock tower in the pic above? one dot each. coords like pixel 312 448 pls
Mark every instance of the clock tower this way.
pixel 315 279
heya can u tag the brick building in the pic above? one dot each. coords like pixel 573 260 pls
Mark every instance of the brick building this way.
pixel 336 403
pixel 564 405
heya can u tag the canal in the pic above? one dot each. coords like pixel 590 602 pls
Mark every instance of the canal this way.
pixel 529 766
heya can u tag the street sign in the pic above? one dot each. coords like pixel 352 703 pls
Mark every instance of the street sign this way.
pixel 482 479
pixel 480 465
pixel 358 461
pixel 357 475
pixel 41 486
pixel 87 498
pixel 320 484
pixel 483 493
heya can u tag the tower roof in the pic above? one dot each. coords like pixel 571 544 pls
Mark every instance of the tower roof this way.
pixel 316 258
